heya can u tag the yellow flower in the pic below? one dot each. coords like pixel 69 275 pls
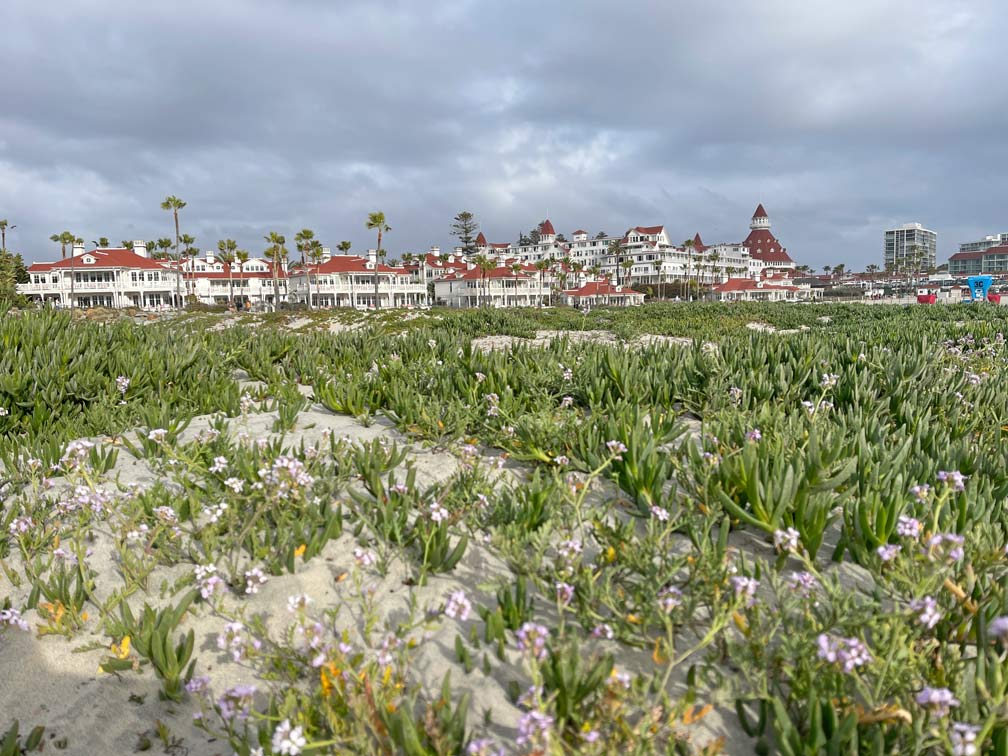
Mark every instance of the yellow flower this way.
pixel 740 622
pixel 326 675
pixel 300 550
pixel 121 649
pixel 610 555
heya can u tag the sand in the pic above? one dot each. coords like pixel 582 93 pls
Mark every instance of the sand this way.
pixel 56 683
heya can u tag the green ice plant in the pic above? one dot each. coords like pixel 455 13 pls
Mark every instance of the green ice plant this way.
pixel 153 637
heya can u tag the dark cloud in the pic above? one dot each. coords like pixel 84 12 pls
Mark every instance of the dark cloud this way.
pixel 843 118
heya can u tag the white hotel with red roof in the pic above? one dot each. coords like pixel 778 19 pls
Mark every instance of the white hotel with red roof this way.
pixel 579 271
pixel 646 256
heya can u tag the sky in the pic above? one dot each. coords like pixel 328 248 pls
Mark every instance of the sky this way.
pixel 842 118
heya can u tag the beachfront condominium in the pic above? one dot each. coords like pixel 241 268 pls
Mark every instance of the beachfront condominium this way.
pixel 997 240
pixel 910 247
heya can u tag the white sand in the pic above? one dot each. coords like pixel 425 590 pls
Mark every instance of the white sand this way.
pixel 48 682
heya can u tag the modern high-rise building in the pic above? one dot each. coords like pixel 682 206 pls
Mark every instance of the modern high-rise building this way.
pixel 910 248
pixel 987 242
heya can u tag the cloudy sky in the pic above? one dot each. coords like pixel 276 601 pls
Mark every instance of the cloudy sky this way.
pixel 841 117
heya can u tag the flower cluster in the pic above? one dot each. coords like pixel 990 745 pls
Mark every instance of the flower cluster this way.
pixel 12 618
pixel 849 653
pixel 532 639
pixel 287 475
pixel 235 642
pixel 458 606
pixel 937 701
pixel 254 578
pixel 208 581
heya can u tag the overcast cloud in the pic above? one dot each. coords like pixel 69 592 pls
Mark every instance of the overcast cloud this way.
pixel 842 118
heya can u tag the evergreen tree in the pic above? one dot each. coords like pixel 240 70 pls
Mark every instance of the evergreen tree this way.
pixel 464 228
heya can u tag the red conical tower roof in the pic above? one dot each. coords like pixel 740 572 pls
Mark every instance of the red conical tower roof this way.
pixel 546 228
pixel 481 240
pixel 760 212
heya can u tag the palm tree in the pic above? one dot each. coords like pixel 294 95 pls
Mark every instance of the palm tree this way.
pixel 173 204
pixel 377 221
pixel 688 246
pixel 63 239
pixel 304 240
pixel 615 249
pixel 242 256
pixel 627 266
pixel 4 225
pixel 314 252
pixel 187 242
pixel 541 266
pixel 344 247
pixel 276 252
pixel 164 244
pixel 227 249
pixel 658 270
pixel 485 264
pixel 102 243
pixel 872 271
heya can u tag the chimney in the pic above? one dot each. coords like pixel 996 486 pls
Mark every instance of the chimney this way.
pixel 326 254
pixel 501 262
pixel 78 250
pixel 210 257
pixel 140 248
pixel 372 258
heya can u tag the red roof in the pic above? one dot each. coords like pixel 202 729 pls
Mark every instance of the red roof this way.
pixel 649 230
pixel 500 246
pixel 748 284
pixel 698 244
pixel 601 289
pixel 104 258
pixel 435 262
pixel 765 247
pixel 1001 249
pixel 760 212
pixel 350 264
pixel 481 240
pixel 546 228
pixel 579 231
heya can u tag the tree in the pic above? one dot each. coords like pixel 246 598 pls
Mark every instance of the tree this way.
pixel 627 267
pixel 376 221
pixel 173 204
pixel 227 249
pixel 103 243
pixel 534 235
pixel 242 257
pixel 464 227
pixel 276 252
pixel 187 244
pixel 303 240
pixel 615 249
pixel 164 244
pixel 344 247
pixel 315 253
pixel 872 271
pixel 61 240
pixel 658 269
pixel 4 226
pixel 485 265
pixel 12 272
pixel 542 266
pixel 688 246
pixel 600 235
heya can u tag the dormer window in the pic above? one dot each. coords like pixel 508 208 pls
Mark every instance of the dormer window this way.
pixel 88 260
